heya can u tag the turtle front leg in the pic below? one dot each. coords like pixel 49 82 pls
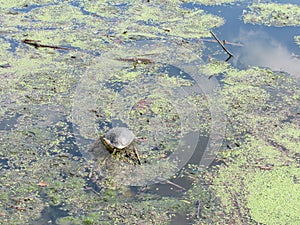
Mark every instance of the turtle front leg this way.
pixel 114 151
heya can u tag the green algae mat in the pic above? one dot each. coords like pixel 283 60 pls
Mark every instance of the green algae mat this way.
pixel 219 143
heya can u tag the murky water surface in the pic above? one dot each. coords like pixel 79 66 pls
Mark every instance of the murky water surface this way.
pixel 217 136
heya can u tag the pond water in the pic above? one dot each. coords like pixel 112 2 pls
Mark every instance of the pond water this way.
pixel 218 141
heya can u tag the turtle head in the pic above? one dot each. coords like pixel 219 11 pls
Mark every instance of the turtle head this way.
pixel 107 143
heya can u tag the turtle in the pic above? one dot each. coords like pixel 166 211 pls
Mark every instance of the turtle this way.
pixel 119 138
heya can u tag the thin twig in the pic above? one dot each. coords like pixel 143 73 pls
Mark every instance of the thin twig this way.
pixel 175 185
pixel 38 45
pixel 161 180
pixel 199 209
pixel 137 155
pixel 224 48
pixel 224 42
pixel 136 60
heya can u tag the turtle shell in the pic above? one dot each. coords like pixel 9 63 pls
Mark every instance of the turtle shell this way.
pixel 119 137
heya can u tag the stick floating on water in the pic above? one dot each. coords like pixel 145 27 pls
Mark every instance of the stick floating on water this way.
pixel 224 48
pixel 36 44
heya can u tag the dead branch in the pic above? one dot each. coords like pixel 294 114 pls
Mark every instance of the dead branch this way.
pixel 36 44
pixel 222 45
pixel 223 41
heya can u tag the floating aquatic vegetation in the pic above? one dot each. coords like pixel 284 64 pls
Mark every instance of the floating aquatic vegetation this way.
pixel 96 29
pixel 58 14
pixel 10 21
pixel 48 84
pixel 4 45
pixel 148 210
pixel 267 187
pixel 273 196
pixel 129 86
pixel 273 14
pixel 256 94
pixel 192 24
pixel 210 2
pixel 35 89
pixel 151 20
pixel 214 68
pixel 262 138
pixel 42 168
pixel 75 30
pixel 19 200
pixel 23 3
pixel 31 173
pixel 105 9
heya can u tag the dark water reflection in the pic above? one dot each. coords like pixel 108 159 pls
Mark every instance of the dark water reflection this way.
pixel 266 46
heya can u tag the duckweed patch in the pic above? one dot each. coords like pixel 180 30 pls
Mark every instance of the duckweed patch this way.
pixel 273 196
pixel 273 14
pixel 105 9
pixel 43 166
pixel 147 210
pixel 53 14
pixel 41 159
pixel 23 3
pixel 262 144
pixel 151 20
pixel 258 172
pixel 211 2
pixel 257 99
